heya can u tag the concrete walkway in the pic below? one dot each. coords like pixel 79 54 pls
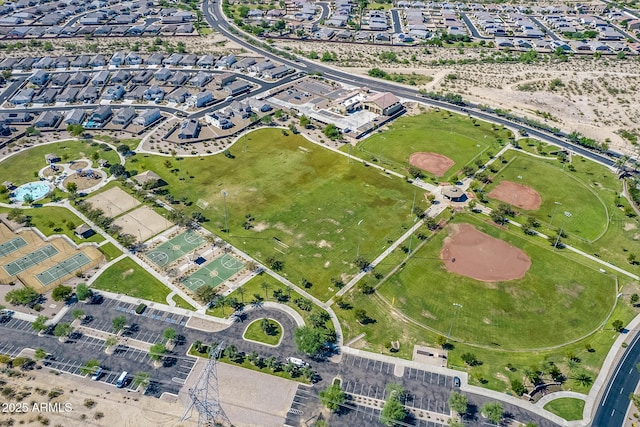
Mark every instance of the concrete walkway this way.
pixel 559 395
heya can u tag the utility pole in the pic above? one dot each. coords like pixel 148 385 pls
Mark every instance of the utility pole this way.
pixel 226 219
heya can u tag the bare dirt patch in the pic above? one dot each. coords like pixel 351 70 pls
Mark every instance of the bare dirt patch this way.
pixel 80 164
pixel 433 163
pixel 471 253
pixel 628 226
pixel 517 195
pixel 82 182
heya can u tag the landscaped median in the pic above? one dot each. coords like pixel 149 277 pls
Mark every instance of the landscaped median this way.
pixel 264 331
pixel 269 365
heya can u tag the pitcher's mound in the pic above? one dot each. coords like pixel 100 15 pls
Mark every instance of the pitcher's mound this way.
pixel 434 163
pixel 517 195
pixel 469 252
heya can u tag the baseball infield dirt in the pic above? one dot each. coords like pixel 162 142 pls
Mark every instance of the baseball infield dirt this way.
pixel 469 252
pixel 434 163
pixel 517 195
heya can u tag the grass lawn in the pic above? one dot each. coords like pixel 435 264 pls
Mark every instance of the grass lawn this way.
pixel 24 166
pixel 132 143
pixel 182 303
pixel 128 278
pixel 589 212
pixel 55 220
pixel 294 201
pixel 254 332
pixel 246 294
pixel 452 135
pixel 110 251
pixel 566 407
pixel 557 300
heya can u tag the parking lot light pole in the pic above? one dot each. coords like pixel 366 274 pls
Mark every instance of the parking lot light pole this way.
pixel 554 212
pixel 566 215
pixel 456 309
pixel 226 219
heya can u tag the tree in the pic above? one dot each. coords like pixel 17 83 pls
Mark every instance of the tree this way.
pixel 632 259
pixel 274 263
pixel 618 325
pixel 361 262
pixel 470 359
pixel 583 378
pixel 331 131
pixel 198 346
pixel 78 314
pixel 493 411
pixel 40 324
pixel 24 296
pixel 361 315
pixel 393 411
pixel 61 292
pixel 119 323
pixel 110 342
pixel 309 341
pixel 458 402
pixel 141 379
pixel 206 294
pixel 117 170
pixel 517 387
pixel 441 340
pixel 89 367
pixel 265 286
pixel 169 334
pixel 62 330
pixel 83 292
pixel 319 318
pixel 304 121
pixel 75 130
pixel 634 299
pixel 72 187
pixel 157 351
pixel 40 354
pixel 332 397
pixel 122 149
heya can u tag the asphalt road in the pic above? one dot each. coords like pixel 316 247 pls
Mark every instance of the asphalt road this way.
pixel 474 31
pixel 215 17
pixel 615 401
pixel 396 20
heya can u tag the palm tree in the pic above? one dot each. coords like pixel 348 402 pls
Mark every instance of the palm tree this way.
pixel 584 379
pixel 221 302
pixel 241 292
pixel 266 286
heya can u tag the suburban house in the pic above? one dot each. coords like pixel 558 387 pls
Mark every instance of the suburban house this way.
pixel 75 117
pixel 237 87
pixel 101 114
pixel 200 99
pixel 39 78
pixel 147 117
pixel 153 93
pixel 113 93
pixel 163 74
pixel 178 96
pixel 47 119
pixel 124 116
pixel 219 120
pixel 24 96
pixel 189 129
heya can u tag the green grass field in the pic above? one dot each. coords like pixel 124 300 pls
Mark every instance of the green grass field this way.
pixel 182 303
pixel 128 278
pixel 254 332
pixel 308 208
pixel 55 220
pixel 110 251
pixel 452 135
pixel 589 212
pixel 23 167
pixel 566 407
pixel 557 300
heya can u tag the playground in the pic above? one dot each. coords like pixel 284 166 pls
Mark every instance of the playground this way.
pixel 177 247
pixel 214 272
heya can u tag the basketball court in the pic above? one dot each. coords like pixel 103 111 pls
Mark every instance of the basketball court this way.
pixel 214 273
pixel 175 248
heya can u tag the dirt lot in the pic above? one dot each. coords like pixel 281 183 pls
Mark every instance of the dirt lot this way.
pixel 142 223
pixel 471 253
pixel 434 163
pixel 113 202
pixel 516 194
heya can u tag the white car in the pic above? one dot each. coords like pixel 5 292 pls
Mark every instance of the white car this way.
pixel 298 362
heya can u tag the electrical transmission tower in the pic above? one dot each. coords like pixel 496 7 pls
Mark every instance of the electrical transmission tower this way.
pixel 204 396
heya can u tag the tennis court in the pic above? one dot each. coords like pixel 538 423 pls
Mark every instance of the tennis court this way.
pixel 214 272
pixel 11 246
pixel 175 248
pixel 64 268
pixel 30 259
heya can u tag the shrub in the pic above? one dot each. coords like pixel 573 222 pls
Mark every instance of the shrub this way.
pixel 141 308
